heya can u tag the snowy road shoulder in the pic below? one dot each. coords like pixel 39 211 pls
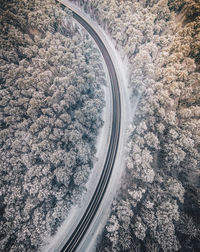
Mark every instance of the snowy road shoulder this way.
pixel 88 243
pixel 75 214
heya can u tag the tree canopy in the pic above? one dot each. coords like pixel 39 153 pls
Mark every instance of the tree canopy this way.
pixel 161 40
pixel 51 103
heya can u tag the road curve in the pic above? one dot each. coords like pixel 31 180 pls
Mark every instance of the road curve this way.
pixel 77 235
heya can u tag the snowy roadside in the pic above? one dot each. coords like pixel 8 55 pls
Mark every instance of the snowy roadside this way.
pixel 56 242
pixel 128 107
pixel 127 112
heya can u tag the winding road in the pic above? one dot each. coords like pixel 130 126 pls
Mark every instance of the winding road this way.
pixel 77 235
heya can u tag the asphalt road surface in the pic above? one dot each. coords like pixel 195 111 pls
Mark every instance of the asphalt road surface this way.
pixel 77 235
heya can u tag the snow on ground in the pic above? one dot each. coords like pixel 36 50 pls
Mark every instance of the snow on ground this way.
pixel 127 112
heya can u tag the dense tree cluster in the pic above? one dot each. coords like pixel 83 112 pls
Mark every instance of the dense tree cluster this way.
pixel 158 208
pixel 51 99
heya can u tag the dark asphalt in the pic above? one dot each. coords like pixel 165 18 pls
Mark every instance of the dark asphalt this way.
pixel 97 197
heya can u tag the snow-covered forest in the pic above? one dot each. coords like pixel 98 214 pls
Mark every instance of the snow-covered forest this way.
pixel 51 103
pixel 51 100
pixel 158 207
